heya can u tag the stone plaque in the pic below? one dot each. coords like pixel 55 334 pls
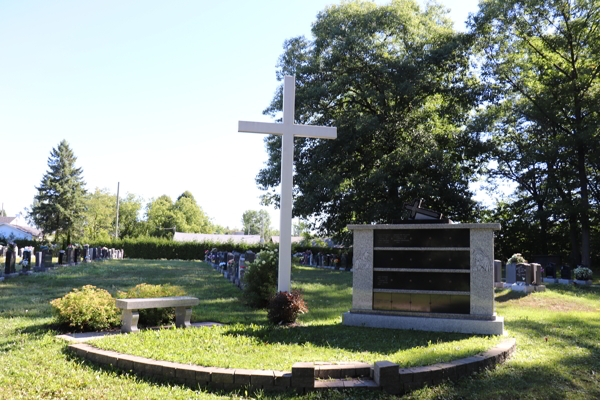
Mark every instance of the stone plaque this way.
pixel 440 281
pixel 421 238
pixel 422 259
pixel 416 302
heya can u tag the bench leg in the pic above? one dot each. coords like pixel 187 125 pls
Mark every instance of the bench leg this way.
pixel 183 316
pixel 129 321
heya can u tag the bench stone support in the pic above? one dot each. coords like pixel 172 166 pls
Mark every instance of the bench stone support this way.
pixel 129 321
pixel 183 316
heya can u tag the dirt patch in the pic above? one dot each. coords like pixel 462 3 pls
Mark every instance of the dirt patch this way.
pixel 551 304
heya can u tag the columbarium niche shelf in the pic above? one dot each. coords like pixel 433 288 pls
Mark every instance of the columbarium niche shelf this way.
pixel 442 271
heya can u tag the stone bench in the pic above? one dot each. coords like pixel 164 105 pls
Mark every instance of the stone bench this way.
pixel 183 310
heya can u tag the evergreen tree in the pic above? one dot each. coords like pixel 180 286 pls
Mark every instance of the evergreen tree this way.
pixel 60 203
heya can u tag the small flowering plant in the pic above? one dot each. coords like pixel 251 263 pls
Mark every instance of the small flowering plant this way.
pixel 582 273
pixel 516 259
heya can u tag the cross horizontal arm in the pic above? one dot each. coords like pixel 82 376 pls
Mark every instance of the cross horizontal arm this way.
pixel 320 132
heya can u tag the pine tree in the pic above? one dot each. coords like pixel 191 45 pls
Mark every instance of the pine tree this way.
pixel 59 204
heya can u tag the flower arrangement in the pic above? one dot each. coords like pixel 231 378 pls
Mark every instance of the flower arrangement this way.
pixel 582 273
pixel 516 259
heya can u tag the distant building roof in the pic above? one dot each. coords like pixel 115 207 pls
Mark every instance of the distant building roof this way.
pixel 26 229
pixel 29 229
pixel 207 237
pixel 295 239
pixel 7 220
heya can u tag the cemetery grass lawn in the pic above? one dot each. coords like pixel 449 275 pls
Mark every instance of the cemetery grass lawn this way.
pixel 557 332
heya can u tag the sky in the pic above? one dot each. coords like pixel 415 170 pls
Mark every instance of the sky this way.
pixel 148 94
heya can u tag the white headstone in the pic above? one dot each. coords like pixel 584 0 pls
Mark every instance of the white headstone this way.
pixel 288 130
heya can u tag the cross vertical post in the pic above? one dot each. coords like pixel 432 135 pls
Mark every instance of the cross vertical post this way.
pixel 288 130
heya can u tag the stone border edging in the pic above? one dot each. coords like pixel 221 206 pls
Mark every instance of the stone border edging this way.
pixel 385 374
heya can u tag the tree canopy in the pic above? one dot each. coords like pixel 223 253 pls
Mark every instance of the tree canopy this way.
pixel 257 223
pixel 60 202
pixel 395 81
pixel 541 64
pixel 165 217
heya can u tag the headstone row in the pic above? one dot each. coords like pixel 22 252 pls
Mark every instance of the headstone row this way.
pixel 231 264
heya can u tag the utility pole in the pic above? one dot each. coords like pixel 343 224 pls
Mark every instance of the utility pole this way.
pixel 117 227
pixel 262 228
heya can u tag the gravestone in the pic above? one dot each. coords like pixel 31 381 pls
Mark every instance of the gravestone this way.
pixel 521 272
pixel 70 256
pixel 511 273
pixel 344 261
pixel 47 258
pixel 77 255
pixel 566 274
pixel 424 275
pixel 498 274
pixel 62 259
pixel 26 261
pixel 250 256
pixel 10 260
pixel 39 260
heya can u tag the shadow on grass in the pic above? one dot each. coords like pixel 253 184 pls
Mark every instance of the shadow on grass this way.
pixel 351 338
pixel 509 295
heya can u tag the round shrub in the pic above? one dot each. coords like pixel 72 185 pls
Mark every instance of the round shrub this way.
pixel 582 273
pixel 260 279
pixel 284 307
pixel 153 316
pixel 87 309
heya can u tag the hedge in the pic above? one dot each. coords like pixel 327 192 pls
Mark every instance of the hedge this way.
pixel 161 248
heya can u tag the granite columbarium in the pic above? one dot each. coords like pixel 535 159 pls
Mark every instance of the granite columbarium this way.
pixel 425 273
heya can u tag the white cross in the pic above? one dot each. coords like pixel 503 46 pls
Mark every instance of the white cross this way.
pixel 288 129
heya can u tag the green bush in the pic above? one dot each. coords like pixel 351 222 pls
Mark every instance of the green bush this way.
pixel 260 279
pixel 582 273
pixel 153 316
pixel 86 309
pixel 284 307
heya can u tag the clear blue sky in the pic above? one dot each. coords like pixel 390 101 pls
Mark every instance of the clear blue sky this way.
pixel 147 93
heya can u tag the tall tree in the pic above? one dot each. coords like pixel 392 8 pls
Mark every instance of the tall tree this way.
pixel 395 81
pixel 256 223
pixel 165 217
pixel 130 224
pixel 99 214
pixel 192 218
pixel 544 58
pixel 60 202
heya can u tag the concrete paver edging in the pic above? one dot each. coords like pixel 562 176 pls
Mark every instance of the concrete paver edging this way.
pixel 305 376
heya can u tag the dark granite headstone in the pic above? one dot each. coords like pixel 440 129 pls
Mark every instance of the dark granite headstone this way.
pixel 550 270
pixel 26 261
pixel 70 256
pixel 566 272
pixel 250 256
pixel 76 255
pixel 9 262
pixel 47 259
pixel 521 272
pixel 62 258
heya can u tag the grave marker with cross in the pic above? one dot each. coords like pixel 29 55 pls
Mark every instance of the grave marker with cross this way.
pixel 288 130
pixel 416 212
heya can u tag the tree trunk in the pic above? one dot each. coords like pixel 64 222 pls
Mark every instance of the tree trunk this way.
pixel 584 213
pixel 543 227
pixel 573 234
